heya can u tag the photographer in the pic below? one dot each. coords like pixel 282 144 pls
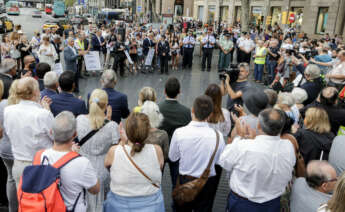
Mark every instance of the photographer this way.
pixel 235 89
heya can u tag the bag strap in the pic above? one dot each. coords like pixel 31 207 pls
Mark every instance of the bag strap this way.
pixel 37 158
pixel 92 133
pixel 214 152
pixel 65 159
pixel 135 165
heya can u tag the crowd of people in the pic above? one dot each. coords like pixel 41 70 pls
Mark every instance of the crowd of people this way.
pixel 280 146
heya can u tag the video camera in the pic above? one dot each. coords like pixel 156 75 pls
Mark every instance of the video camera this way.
pixel 233 73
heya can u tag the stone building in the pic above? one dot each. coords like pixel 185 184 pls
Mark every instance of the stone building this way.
pixel 165 9
pixel 314 17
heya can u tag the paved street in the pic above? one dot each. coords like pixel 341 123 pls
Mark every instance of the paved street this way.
pixel 193 82
pixel 29 24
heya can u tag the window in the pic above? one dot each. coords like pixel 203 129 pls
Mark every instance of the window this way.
pixel 321 20
pixel 211 13
pixel 200 13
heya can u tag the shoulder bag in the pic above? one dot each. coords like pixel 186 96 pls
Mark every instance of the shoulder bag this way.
pixel 189 191
pixel 139 169
pixel 90 134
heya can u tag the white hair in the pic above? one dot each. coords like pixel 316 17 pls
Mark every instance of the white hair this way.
pixel 286 99
pixel 64 127
pixel 300 95
pixel 50 79
pixel 108 79
pixel 313 71
pixel 151 109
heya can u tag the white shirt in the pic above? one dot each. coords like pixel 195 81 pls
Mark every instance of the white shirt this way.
pixel 210 39
pixel 28 127
pixel 287 46
pixel 338 70
pixel 188 39
pixel 75 176
pixel 193 145
pixel 247 44
pixel 259 169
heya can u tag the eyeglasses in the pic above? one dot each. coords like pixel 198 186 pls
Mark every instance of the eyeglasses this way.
pixel 331 180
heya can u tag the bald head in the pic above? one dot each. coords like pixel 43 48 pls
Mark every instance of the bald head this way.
pixel 321 176
pixel 28 60
pixel 329 96
pixel 271 121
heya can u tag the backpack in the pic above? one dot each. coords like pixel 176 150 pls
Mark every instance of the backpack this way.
pixel 39 186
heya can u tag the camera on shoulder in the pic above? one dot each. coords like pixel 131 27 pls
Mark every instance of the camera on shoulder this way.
pixel 233 73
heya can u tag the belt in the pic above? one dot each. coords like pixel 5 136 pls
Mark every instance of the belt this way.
pixel 239 196
pixel 188 177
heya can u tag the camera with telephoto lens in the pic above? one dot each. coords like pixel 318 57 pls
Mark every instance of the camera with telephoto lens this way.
pixel 233 73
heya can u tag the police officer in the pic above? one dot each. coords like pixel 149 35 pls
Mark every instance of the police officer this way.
pixel 207 44
pixel 188 49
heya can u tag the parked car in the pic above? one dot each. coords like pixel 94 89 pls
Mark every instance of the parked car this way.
pixel 6 25
pixel 56 23
pixel 37 14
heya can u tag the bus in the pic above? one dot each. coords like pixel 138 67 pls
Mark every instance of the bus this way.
pixel 58 9
pixel 110 15
pixel 12 8
pixel 48 9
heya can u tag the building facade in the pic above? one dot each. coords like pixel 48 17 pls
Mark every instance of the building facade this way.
pixel 314 17
pixel 166 10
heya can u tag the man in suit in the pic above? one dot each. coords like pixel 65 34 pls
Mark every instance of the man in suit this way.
pixel 41 70
pixel 8 71
pixel 51 84
pixel 175 115
pixel 98 44
pixel 118 101
pixel 57 46
pixel 65 100
pixel 71 56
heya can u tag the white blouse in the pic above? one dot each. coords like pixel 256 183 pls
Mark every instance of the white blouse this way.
pixel 225 126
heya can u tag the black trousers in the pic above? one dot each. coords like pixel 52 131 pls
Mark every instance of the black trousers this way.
pixel 187 57
pixel 204 201
pixel 246 57
pixel 76 77
pixel 164 60
pixel 207 55
pixel 3 181
pixel 119 62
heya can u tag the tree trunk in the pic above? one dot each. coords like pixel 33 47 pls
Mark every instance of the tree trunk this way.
pixel 154 15
pixel 245 8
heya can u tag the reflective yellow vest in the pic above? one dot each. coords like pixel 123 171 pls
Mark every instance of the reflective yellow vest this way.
pixel 81 45
pixel 260 52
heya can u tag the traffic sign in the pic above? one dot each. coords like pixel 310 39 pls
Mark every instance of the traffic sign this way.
pixel 139 9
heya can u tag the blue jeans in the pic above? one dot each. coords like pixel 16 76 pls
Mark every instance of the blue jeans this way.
pixel 238 204
pixel 258 71
pixel 224 60
pixel 271 66
pixel 151 203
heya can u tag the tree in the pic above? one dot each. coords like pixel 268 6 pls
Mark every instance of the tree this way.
pixel 245 7
pixel 69 3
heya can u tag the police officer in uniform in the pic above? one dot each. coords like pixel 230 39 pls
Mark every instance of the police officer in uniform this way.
pixel 208 43
pixel 188 49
